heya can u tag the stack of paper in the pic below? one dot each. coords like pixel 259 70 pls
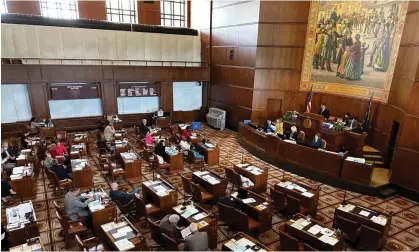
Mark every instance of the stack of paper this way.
pixel 315 229
pixel 108 226
pixel 202 224
pixel 189 212
pixel 241 165
pixel 284 184
pixel 199 216
pixel 124 245
pixel 380 220
pixel 307 194
pixel 209 145
pixel 346 208
pixel 249 200
pixel 245 242
pixel 326 231
pixel 18 170
pixel 185 232
pixel 364 213
pixel 328 239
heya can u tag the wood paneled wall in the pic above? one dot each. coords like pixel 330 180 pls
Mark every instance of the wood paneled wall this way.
pixel 24 7
pixel 38 76
pixel 149 12
pixel 92 9
pixel 268 41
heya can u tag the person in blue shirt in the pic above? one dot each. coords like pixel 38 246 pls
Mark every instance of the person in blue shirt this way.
pixel 269 127
pixel 317 141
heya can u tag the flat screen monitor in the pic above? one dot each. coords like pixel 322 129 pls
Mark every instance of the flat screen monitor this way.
pixel 196 125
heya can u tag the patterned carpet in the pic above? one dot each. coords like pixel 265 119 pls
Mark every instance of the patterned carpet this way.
pixel 404 233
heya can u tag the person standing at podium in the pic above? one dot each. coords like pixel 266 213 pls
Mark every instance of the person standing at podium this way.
pixel 324 111
pixel 159 113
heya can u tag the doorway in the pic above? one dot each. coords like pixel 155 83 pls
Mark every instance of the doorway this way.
pixel 392 142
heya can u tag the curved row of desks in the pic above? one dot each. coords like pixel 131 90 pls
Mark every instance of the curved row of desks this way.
pixel 328 167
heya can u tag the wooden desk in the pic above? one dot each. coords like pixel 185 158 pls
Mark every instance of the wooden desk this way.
pixel 352 212
pixel 47 132
pixel 34 245
pixel 196 139
pixel 309 203
pixel 21 228
pixel 310 238
pixel 132 166
pixel 176 163
pixel 161 122
pixel 34 143
pixel 78 150
pixel 211 155
pixel 104 215
pixel 259 210
pixel 121 148
pixel 119 134
pixel 82 175
pixel 215 189
pixel 356 172
pixel 241 237
pixel 210 228
pixel 165 201
pixel 259 178
pixel 23 182
pixel 79 138
pixel 133 236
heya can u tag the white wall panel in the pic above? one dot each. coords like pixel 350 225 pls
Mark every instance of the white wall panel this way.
pixel 46 43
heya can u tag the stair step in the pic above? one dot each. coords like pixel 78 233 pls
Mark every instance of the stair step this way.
pixel 371 152
pixel 373 158
pixel 387 192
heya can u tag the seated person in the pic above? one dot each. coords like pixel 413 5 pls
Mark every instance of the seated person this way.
pixel 347 118
pixel 74 203
pixel 54 151
pixel 187 133
pixel 160 150
pixel 279 126
pixel 195 152
pixel 24 140
pixel 121 196
pixel 6 189
pixel 159 113
pixel 61 149
pixel 33 124
pixel 101 145
pixel 109 132
pixel 143 127
pixel 184 146
pixel 352 123
pixel 48 161
pixel 196 241
pixel 63 171
pixel 168 225
pixel 269 127
pixel 149 140
pixel 317 141
pixel 8 159
pixel 47 123
pixel 324 111
pixel 293 134
pixel 228 201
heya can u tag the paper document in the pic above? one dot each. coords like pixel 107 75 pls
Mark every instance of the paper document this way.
pixel 108 226
pixel 124 245
pixel 241 165
pixel 308 194
pixel 185 232
pixel 245 242
pixel 202 224
pixel 118 235
pixel 364 213
pixel 199 216
pixel 248 200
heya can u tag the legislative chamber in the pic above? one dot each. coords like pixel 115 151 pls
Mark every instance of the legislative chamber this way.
pixel 180 125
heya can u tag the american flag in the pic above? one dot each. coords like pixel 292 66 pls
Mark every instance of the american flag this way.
pixel 310 95
pixel 366 122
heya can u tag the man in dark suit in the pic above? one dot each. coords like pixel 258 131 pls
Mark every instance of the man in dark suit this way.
pixel 123 197
pixel 63 171
pixel 317 141
pixel 168 225
pixel 324 111
pixel 143 127
pixel 293 134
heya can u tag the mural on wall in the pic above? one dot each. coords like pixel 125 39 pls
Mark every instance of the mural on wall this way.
pixel 351 47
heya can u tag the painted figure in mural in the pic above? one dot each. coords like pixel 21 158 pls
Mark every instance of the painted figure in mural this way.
pixel 364 48
pixel 352 68
pixel 318 49
pixel 335 37
pixel 347 41
pixel 334 17
pixel 327 50
pixel 381 58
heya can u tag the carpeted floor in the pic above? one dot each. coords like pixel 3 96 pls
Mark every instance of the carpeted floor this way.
pixel 404 233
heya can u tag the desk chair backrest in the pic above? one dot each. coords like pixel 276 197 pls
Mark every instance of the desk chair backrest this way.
pixel 348 227
pixel 278 199
pixel 241 220
pixel 187 187
pixel 80 243
pixel 226 214
pixel 52 177
pixel 229 174
pixel 63 222
pixel 288 243
pixel 369 239
pixel 59 209
pixel 140 208
pixel 223 185
pixel 301 136
pixel 197 194
pixel 308 247
pixel 156 233
pixel 169 243
pixel 293 205
pixel 237 180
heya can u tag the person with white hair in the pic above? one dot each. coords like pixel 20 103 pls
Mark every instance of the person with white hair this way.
pixel 121 196
pixel 109 132
pixel 293 134
pixel 143 127
pixel 168 225
pixel 196 241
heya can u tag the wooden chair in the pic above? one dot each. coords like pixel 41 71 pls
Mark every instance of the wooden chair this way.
pixel 156 233
pixel 226 214
pixel 58 208
pixel 278 199
pixel 293 205
pixel 115 171
pixel 148 156
pixel 157 166
pixel 60 184
pixel 229 176
pixel 187 187
pixel 192 160
pixel 349 228
pixel 370 239
pixel 201 196
pixel 170 244
pixel 70 228
pixel 128 208
pixel 324 144
pixel 308 247
pixel 301 136
pixel 142 211
pixel 243 222
pixel 288 243
pixel 90 244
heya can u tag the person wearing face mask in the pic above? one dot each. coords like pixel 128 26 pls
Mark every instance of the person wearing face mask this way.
pixel 317 141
